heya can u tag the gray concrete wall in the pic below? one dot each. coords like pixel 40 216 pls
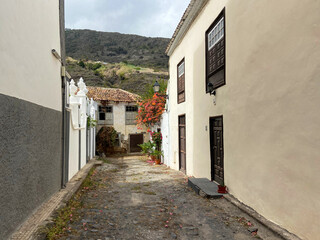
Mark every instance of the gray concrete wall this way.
pixel 30 159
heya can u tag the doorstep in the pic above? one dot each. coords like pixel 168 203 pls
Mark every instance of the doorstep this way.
pixel 204 187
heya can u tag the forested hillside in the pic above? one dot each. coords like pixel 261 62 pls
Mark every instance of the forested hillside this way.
pixel 115 48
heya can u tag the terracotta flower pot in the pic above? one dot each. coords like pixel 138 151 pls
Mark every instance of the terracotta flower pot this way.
pixel 153 158
pixel 222 189
pixel 158 161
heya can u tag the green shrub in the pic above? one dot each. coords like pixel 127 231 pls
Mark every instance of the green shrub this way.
pixel 106 138
pixel 147 147
pixel 81 64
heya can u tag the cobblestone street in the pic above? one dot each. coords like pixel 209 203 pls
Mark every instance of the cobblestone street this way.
pixel 137 200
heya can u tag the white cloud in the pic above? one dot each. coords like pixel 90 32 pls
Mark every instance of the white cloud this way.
pixel 153 18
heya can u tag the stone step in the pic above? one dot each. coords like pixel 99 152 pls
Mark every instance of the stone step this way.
pixel 204 187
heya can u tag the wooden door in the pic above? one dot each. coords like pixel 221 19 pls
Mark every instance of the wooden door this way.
pixel 135 140
pixel 182 143
pixel 216 145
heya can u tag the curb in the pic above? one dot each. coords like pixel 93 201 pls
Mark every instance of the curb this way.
pixel 283 233
pixel 28 230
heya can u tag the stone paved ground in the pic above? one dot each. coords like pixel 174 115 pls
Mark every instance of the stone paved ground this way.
pixel 137 200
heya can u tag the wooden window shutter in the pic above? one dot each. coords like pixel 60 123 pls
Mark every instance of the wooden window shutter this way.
pixel 181 81
pixel 215 52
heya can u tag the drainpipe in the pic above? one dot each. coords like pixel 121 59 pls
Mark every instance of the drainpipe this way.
pixel 65 125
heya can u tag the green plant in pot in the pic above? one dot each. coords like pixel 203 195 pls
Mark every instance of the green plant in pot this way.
pixel 157 156
pixel 147 148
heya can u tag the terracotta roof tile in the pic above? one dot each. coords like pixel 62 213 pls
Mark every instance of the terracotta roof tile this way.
pixel 111 94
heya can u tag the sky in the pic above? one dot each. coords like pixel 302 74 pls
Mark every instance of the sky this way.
pixel 151 18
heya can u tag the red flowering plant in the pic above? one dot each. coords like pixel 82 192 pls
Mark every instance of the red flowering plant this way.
pixel 157 139
pixel 150 110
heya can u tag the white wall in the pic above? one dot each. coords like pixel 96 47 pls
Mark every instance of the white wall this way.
pixel 29 30
pixel 78 125
pixel 165 131
pixel 92 108
pixel 73 149
pixel 270 107
pixel 119 120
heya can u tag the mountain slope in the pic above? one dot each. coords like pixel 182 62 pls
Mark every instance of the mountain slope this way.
pixel 116 47
pixel 115 75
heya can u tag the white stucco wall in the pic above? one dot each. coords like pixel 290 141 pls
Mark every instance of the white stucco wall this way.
pixel 92 108
pixel 78 127
pixel 165 131
pixel 270 107
pixel 27 37
pixel 119 121
pixel 73 151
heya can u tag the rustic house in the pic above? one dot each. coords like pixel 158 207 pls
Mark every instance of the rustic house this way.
pixel 244 104
pixel 118 108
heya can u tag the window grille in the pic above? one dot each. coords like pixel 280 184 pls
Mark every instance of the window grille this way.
pixel 106 115
pixel 215 53
pixel 216 34
pixel 131 115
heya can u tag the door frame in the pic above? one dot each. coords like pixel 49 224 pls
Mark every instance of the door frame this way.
pixel 185 129
pixel 211 120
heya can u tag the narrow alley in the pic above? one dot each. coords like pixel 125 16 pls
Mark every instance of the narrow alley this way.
pixel 130 198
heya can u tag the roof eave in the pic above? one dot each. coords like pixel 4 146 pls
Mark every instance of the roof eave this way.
pixel 186 21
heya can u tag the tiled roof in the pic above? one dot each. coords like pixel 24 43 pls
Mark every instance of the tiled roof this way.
pixel 111 94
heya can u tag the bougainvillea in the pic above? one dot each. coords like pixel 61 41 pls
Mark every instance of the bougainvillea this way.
pixel 156 138
pixel 150 111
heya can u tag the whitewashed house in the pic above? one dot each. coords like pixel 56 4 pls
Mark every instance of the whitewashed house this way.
pixel 118 108
pixel 244 104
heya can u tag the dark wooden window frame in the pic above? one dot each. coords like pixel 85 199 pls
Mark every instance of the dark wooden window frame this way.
pixel 181 91
pixel 222 14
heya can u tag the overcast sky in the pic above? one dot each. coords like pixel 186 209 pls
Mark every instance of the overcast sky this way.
pixel 151 18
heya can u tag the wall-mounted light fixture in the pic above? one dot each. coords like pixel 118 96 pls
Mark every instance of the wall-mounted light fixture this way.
pixel 156 89
pixel 211 90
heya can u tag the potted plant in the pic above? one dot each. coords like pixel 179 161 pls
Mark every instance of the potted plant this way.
pixel 147 148
pixel 157 156
pixel 222 188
